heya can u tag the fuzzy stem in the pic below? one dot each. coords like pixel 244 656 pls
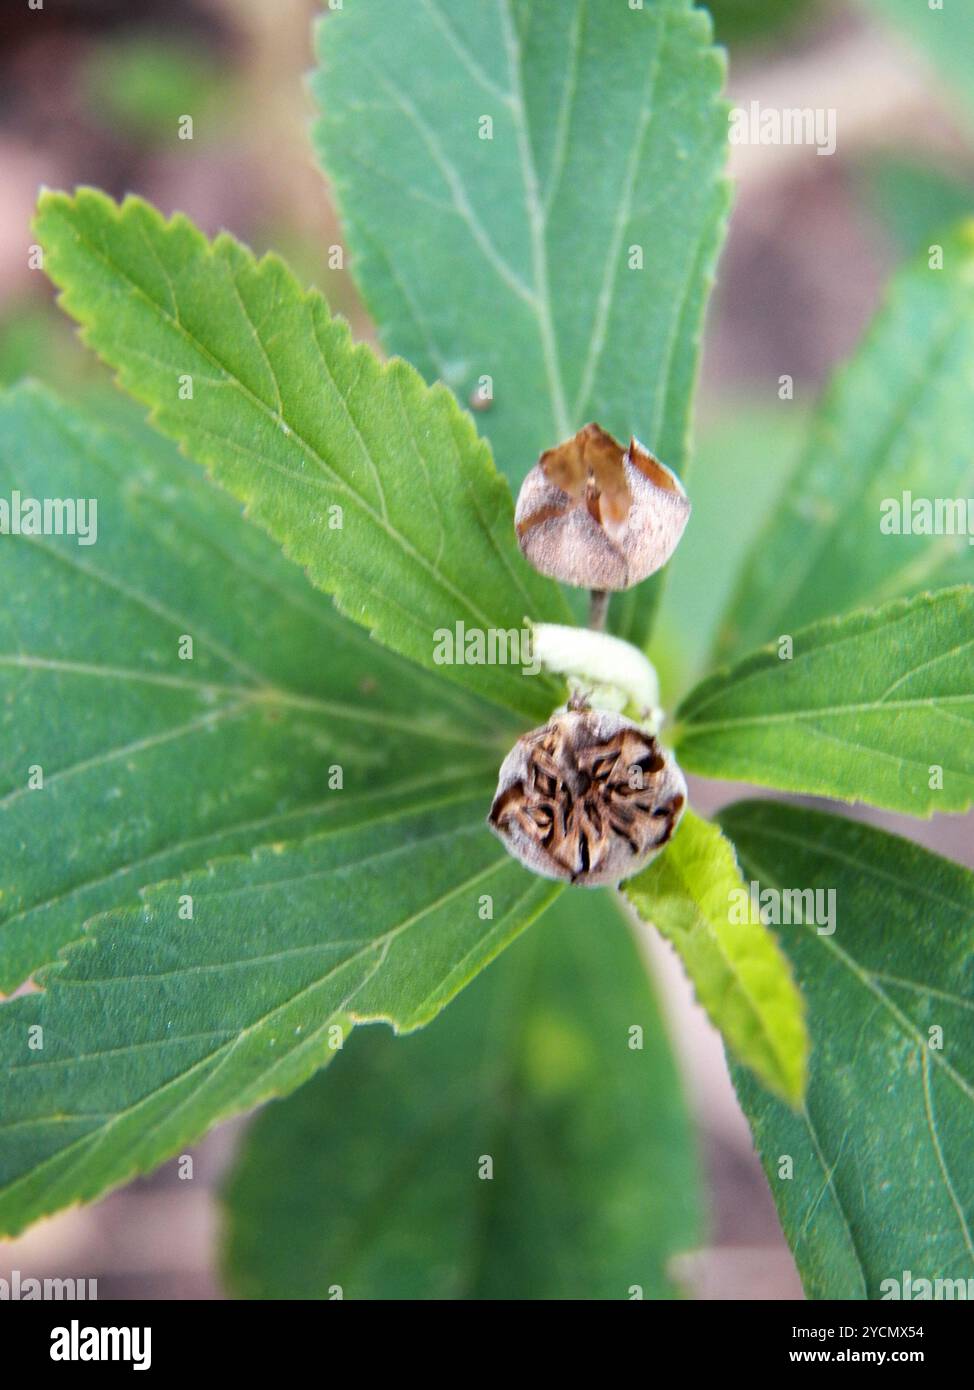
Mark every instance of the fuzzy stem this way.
pixel 598 609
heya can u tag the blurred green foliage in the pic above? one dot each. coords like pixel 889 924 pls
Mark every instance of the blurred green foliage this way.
pixel 36 341
pixel 745 21
pixel 143 84
pixel 944 35
pixel 915 202
pixel 744 455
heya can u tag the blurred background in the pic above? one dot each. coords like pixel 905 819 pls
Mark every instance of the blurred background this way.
pixel 91 92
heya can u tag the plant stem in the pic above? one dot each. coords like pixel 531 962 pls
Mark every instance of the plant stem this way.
pixel 598 609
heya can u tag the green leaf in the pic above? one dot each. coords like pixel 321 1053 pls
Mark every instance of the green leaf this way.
pixel 607 134
pixel 295 420
pixel 694 895
pixel 369 1177
pixel 896 420
pixel 876 707
pixel 152 764
pixel 882 1180
pixel 155 1026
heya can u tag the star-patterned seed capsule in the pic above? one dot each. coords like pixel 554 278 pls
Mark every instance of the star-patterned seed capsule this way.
pixel 589 798
pixel 599 516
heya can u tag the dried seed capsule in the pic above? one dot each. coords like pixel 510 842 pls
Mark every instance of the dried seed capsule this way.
pixel 599 516
pixel 591 797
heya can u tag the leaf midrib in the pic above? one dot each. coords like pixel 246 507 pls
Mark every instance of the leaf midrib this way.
pixel 260 824
pixel 851 628
pixel 309 302
pixel 380 944
pixel 304 599
pixel 830 1187
pixel 623 215
pixel 868 982
pixel 687 729
pixel 904 1024
pixel 254 696
pixel 537 226
pixel 770 1037
pixel 936 353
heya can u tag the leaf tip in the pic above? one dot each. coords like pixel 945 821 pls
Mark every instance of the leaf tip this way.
pixel 48 200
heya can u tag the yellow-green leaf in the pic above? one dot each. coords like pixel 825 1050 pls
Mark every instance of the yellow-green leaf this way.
pixel 692 895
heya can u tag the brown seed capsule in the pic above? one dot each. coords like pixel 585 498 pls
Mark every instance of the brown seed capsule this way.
pixel 590 797
pixel 594 514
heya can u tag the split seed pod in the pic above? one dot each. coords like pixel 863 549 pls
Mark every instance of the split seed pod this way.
pixel 590 798
pixel 599 516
